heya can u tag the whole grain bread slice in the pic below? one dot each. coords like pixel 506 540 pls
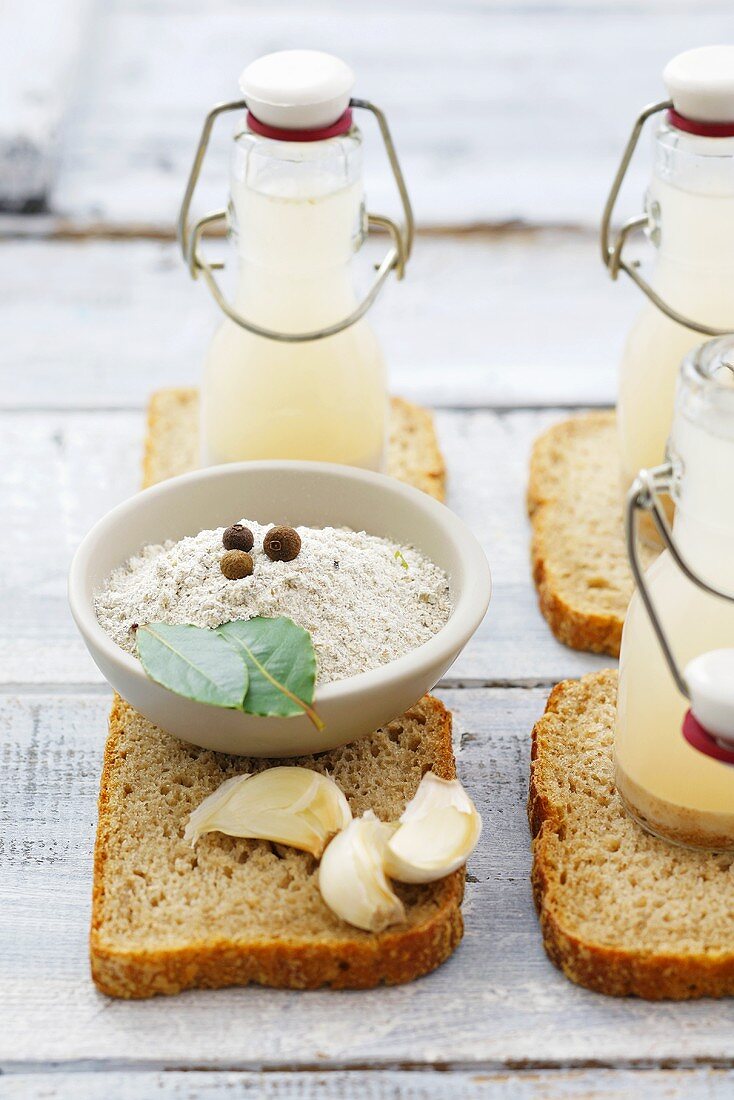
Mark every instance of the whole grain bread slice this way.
pixel 167 918
pixel 621 911
pixel 579 557
pixel 172 441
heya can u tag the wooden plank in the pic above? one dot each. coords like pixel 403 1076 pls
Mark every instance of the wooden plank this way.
pixel 41 47
pixel 59 472
pixel 369 1085
pixel 488 319
pixel 497 1004
pixel 500 112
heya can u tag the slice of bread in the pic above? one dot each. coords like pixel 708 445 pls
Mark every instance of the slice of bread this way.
pixel 579 557
pixel 621 911
pixel 167 918
pixel 172 441
pixel 413 454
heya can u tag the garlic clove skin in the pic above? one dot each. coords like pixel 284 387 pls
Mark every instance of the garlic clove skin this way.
pixel 286 805
pixel 352 877
pixel 437 833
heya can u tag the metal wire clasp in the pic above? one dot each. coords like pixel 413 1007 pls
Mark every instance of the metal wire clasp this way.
pixel 645 496
pixel 395 258
pixel 611 253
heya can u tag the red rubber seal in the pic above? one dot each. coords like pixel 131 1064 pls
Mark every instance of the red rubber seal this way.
pixel 702 129
pixel 342 126
pixel 700 739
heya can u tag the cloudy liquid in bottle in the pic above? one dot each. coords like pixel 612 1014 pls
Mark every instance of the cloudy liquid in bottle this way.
pixel 669 786
pixel 324 399
pixel 691 205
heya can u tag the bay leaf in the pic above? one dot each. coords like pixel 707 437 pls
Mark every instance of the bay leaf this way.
pixel 281 664
pixel 194 662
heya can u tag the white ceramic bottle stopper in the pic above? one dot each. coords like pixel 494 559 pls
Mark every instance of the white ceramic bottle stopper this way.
pixel 297 89
pixel 701 84
pixel 710 680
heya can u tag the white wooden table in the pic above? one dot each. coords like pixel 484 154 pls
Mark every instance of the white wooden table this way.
pixel 509 118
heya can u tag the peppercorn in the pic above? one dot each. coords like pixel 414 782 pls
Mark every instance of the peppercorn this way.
pixel 236 564
pixel 282 544
pixel 238 537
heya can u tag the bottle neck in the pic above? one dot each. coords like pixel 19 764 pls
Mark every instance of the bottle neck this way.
pixel 692 230
pixel 294 253
pixel 297 207
pixel 691 201
pixel 299 233
pixel 704 497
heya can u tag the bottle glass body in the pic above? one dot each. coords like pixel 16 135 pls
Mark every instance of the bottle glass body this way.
pixel 670 787
pixel 297 218
pixel 690 205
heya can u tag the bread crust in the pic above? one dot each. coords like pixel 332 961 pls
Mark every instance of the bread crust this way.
pixel 578 628
pixel 413 453
pixel 352 961
pixel 391 959
pixel 613 970
pixel 573 498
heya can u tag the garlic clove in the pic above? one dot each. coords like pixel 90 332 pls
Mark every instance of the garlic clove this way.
pixel 431 847
pixel 434 793
pixel 437 833
pixel 352 877
pixel 286 805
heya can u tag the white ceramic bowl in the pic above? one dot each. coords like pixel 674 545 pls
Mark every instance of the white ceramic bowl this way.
pixel 311 494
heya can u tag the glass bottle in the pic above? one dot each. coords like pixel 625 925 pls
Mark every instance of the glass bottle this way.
pixel 689 219
pixel 674 736
pixel 294 370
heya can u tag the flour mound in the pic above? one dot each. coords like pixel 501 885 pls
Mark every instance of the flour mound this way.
pixel 350 590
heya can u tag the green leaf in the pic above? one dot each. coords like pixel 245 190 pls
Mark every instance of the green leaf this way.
pixel 193 662
pixel 281 664
pixel 400 556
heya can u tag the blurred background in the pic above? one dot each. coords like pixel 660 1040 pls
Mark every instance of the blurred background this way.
pixel 509 119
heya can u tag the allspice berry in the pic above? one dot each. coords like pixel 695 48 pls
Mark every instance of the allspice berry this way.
pixel 282 544
pixel 236 564
pixel 238 537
